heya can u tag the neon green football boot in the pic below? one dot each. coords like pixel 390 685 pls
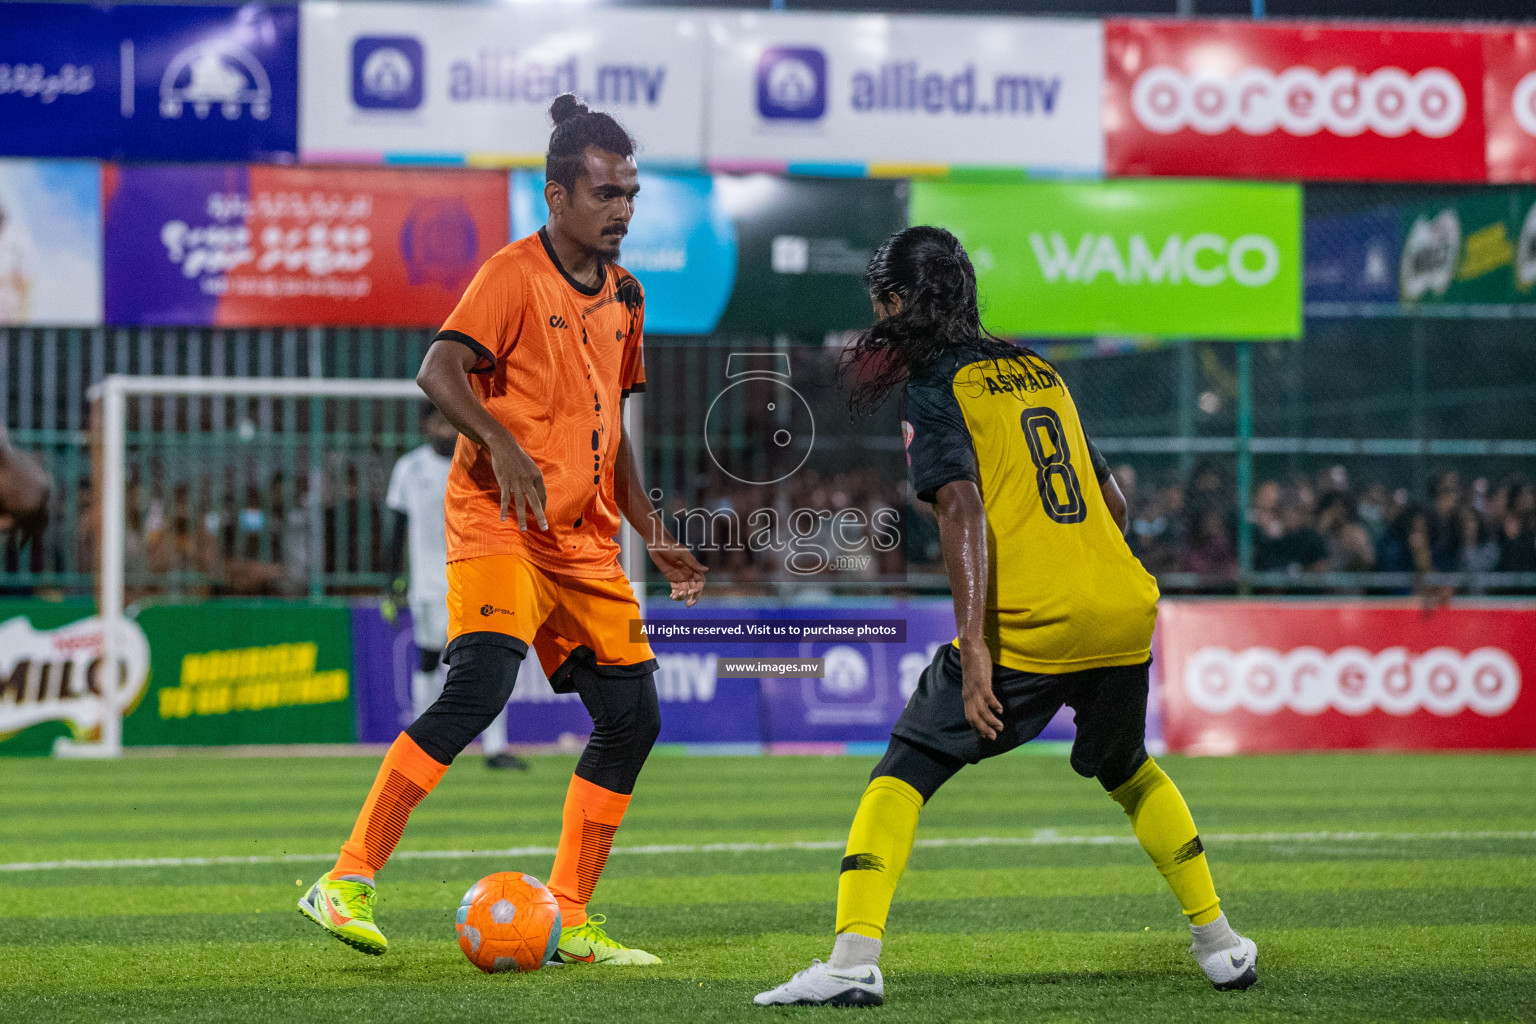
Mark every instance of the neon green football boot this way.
pixel 589 944
pixel 343 906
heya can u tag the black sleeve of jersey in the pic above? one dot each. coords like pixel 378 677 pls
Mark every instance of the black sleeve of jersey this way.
pixel 939 450
pixel 1100 464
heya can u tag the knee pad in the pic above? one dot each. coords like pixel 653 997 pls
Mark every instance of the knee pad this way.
pixel 482 669
pixel 626 719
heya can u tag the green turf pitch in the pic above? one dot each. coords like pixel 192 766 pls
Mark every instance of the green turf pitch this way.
pixel 1379 893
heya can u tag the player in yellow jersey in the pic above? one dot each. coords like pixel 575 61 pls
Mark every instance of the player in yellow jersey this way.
pixel 1051 608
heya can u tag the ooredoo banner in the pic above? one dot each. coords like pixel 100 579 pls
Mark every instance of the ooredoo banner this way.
pixel 149 82
pixel 1296 101
pixel 903 92
pixel 1274 676
pixel 1149 258
pixel 433 82
pixel 251 246
pixel 1510 63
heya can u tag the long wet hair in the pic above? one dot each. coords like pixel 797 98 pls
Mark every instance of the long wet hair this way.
pixel 929 269
pixel 576 128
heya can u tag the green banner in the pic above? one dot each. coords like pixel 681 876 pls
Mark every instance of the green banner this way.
pixel 193 675
pixel 1471 248
pixel 1164 259
pixel 802 247
pixel 257 672
pixel 50 673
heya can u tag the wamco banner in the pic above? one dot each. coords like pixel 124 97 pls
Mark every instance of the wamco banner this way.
pixel 429 82
pixel 906 92
pixel 1153 259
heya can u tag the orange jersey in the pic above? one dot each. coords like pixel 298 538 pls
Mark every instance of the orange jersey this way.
pixel 555 359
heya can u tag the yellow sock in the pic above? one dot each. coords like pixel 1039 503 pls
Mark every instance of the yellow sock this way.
pixel 1166 831
pixel 878 846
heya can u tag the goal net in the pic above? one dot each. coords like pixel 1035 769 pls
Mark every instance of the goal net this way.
pixel 216 495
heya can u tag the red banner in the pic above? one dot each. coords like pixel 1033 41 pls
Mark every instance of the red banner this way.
pixel 1238 99
pixel 237 246
pixel 1510 99
pixel 1275 676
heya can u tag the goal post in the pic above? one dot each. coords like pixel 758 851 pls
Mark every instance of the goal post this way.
pixel 170 407
pixel 113 394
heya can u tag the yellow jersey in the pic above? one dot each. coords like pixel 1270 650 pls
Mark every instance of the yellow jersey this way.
pixel 1064 591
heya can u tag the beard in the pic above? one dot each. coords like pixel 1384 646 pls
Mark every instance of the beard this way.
pixel 612 245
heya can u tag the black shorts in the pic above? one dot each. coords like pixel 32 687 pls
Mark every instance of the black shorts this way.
pixel 1110 706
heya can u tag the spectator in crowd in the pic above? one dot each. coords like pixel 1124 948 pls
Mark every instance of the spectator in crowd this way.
pixel 1350 547
pixel 1516 527
pixel 1299 547
pixel 24 492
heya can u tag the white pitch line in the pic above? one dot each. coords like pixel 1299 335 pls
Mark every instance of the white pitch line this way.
pixel 1044 837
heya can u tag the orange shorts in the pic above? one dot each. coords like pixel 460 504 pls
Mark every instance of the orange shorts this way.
pixel 551 613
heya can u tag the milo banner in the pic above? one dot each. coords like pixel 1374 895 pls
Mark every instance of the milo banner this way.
pixel 52 675
pixel 1472 248
pixel 188 675
pixel 1151 259
pixel 227 673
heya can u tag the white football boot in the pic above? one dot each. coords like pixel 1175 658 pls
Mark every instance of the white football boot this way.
pixel 822 985
pixel 1231 969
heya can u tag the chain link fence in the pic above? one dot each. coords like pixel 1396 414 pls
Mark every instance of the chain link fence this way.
pixel 1392 449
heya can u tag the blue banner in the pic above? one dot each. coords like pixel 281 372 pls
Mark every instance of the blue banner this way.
pixel 681 245
pixel 149 83
pixel 1353 257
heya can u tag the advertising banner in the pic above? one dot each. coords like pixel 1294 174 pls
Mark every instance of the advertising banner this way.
pixel 248 673
pixel 50 243
pixel 697 705
pixel 1147 258
pixel 802 248
pixel 862 691
pixel 890 94
pixel 1509 59
pixel 52 673
pixel 237 246
pixel 1353 258
pixel 1241 99
pixel 1475 248
pixel 141 82
pixel 681 245
pixel 1273 676
pixel 434 82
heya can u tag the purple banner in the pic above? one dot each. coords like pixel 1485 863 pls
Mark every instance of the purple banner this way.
pixel 863 689
pixel 168 237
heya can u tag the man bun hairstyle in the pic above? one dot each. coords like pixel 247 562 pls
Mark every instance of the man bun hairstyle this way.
pixel 576 128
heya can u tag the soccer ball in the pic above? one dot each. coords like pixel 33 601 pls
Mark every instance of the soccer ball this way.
pixel 508 922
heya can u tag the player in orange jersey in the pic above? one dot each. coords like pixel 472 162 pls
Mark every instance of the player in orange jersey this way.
pixel 532 368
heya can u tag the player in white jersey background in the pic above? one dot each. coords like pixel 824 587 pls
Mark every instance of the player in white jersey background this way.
pixel 417 486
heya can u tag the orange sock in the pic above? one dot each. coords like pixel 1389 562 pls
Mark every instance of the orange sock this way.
pixel 407 775
pixel 592 816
